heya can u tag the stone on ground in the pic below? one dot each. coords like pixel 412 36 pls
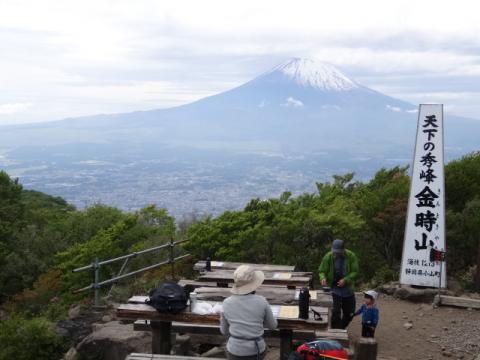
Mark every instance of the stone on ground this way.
pixel 114 341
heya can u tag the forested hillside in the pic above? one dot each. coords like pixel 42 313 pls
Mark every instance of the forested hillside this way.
pixel 42 238
pixel 370 216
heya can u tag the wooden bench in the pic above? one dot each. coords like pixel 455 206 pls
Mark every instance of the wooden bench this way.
pixel 457 301
pixel 138 356
pixel 210 334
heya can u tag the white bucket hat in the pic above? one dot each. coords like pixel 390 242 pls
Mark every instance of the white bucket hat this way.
pixel 246 279
pixel 372 293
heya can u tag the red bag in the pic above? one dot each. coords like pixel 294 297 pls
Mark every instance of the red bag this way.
pixel 322 350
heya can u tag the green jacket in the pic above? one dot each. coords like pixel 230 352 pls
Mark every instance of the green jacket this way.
pixel 326 271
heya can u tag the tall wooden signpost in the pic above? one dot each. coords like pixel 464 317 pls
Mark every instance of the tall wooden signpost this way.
pixel 425 226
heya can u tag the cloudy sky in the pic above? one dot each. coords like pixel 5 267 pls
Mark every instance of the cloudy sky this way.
pixel 67 58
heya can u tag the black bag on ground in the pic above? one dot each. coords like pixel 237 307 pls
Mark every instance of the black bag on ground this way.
pixel 168 297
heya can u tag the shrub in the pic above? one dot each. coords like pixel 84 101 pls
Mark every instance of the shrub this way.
pixel 29 339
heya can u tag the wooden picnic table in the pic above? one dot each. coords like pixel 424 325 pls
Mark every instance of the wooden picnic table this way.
pixel 289 279
pixel 265 272
pixel 227 265
pixel 161 324
pixel 274 295
pixel 194 284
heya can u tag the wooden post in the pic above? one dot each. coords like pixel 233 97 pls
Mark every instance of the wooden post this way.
pixel 161 337
pixel 477 275
pixel 366 349
pixel 285 343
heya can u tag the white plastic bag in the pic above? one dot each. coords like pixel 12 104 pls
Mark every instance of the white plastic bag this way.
pixel 202 308
pixel 205 308
pixel 217 308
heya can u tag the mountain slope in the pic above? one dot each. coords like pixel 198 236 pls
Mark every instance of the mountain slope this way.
pixel 299 106
pixel 296 124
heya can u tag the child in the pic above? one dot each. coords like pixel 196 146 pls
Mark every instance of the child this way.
pixel 369 314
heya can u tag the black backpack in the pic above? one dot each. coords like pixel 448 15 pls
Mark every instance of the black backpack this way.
pixel 169 297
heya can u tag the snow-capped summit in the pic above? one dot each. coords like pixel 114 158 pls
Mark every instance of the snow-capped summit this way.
pixel 320 75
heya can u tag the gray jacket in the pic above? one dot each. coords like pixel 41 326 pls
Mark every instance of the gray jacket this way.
pixel 245 316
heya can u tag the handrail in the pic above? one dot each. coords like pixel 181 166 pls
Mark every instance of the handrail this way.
pixel 121 277
pixel 97 284
pixel 131 255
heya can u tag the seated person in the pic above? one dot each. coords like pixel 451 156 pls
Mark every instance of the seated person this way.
pixel 245 315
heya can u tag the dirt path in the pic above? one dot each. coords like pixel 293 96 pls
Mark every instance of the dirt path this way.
pixel 436 333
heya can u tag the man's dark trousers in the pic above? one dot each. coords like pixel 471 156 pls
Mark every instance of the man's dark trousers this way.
pixel 342 312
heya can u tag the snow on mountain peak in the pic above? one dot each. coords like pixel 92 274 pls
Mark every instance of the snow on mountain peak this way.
pixel 307 72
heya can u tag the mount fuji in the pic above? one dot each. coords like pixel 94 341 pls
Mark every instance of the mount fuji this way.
pixel 299 106
pixel 302 119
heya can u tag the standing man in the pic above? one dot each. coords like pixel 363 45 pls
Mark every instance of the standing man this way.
pixel 339 269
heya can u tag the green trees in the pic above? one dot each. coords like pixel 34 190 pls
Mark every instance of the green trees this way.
pixel 370 216
pixel 11 216
pixel 32 339
pixel 147 228
pixel 42 237
pixel 285 230
pixel 462 191
pixel 42 234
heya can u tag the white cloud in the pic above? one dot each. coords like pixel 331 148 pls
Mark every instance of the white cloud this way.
pixel 292 102
pixel 77 57
pixel 9 109
pixel 393 108
pixel 263 103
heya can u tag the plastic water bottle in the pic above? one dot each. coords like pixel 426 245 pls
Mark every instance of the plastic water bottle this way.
pixel 193 300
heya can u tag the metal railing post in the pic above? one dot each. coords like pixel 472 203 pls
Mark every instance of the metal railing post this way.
pixel 95 284
pixel 124 265
pixel 172 259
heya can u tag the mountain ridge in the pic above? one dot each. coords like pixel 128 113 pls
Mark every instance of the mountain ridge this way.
pixel 281 131
pixel 299 105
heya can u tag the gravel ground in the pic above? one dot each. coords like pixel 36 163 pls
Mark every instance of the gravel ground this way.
pixel 435 333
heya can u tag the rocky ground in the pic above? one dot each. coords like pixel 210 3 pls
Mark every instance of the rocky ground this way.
pixel 407 331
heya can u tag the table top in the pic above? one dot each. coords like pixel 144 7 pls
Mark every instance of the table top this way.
pixel 227 265
pixel 193 284
pixel 271 278
pixel 274 295
pixel 146 312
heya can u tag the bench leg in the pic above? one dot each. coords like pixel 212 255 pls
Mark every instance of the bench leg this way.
pixel 161 337
pixel 285 343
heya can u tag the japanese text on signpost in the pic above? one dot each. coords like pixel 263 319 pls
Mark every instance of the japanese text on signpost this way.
pixel 425 227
